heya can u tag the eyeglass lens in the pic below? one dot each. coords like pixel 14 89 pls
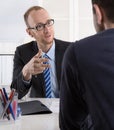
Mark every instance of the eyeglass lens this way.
pixel 41 26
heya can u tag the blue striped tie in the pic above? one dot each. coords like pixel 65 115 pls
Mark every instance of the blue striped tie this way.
pixel 47 79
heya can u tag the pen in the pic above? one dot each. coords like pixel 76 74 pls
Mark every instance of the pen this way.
pixel 2 96
pixel 15 104
pixel 3 103
pixel 6 107
pixel 10 99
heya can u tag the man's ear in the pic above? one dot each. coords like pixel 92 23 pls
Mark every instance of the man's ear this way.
pixel 29 32
pixel 98 13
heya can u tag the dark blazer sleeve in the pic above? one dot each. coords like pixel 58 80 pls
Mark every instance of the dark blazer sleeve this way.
pixel 17 81
pixel 23 55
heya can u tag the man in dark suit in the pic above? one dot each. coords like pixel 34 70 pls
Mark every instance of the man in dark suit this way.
pixel 29 63
pixel 87 84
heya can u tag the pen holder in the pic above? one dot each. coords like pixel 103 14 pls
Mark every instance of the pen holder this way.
pixel 9 105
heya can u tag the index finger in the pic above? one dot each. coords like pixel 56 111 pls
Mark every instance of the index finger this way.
pixel 39 54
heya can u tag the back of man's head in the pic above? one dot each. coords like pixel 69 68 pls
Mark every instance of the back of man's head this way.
pixel 107 6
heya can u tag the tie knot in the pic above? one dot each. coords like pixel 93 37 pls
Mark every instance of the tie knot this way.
pixel 46 56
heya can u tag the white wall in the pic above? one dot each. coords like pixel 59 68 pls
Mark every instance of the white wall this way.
pixel 86 27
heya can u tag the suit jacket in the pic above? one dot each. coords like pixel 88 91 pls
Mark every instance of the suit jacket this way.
pixel 88 84
pixel 23 54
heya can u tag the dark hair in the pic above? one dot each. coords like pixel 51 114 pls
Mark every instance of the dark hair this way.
pixel 107 6
pixel 28 12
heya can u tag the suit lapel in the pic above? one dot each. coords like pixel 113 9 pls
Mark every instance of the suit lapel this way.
pixel 57 60
pixel 35 47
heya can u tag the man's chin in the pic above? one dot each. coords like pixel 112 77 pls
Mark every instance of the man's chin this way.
pixel 48 41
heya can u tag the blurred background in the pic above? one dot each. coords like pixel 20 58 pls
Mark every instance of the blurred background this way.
pixel 73 21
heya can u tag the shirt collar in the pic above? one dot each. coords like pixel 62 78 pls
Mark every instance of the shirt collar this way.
pixel 51 52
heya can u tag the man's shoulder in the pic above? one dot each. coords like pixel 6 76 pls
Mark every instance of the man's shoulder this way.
pixel 59 42
pixel 27 45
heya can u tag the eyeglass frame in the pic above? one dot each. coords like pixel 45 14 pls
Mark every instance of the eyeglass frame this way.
pixel 43 25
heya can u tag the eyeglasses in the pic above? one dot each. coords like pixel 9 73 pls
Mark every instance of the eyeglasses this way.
pixel 41 26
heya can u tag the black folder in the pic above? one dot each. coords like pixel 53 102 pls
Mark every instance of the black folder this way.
pixel 33 107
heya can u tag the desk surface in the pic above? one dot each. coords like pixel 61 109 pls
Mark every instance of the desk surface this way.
pixel 36 122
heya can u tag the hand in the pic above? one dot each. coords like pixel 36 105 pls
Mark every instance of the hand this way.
pixel 35 66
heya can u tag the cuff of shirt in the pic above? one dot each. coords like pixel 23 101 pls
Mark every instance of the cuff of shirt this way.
pixel 27 82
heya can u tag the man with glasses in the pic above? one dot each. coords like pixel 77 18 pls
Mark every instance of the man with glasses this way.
pixel 29 60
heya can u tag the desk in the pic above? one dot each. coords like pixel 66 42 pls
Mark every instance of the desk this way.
pixel 36 122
